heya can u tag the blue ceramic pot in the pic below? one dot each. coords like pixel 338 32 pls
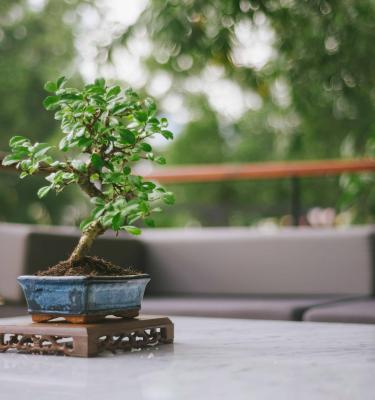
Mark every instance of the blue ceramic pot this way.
pixel 82 295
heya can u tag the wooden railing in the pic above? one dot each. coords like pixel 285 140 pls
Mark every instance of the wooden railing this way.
pixel 264 170
pixel 251 171
pixel 293 170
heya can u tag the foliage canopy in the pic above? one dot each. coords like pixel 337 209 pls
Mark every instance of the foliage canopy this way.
pixel 106 130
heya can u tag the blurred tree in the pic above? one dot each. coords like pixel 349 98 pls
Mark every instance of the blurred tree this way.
pixel 310 65
pixel 201 141
pixel 322 51
pixel 302 74
pixel 35 45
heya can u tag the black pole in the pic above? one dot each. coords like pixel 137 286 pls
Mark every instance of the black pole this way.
pixel 296 200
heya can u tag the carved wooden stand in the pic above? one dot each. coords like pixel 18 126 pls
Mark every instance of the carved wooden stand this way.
pixel 87 340
pixel 84 319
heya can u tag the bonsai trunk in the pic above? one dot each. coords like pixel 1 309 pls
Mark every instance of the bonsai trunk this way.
pixel 86 241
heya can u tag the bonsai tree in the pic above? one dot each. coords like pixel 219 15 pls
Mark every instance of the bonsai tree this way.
pixel 105 133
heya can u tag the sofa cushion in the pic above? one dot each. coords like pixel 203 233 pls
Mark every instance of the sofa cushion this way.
pixel 7 311
pixel 252 307
pixel 13 250
pixel 244 261
pixel 361 311
pixel 47 248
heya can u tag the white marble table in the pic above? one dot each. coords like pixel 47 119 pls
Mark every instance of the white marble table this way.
pixel 211 359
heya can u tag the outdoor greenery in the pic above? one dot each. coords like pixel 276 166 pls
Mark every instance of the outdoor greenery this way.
pixel 105 132
pixel 302 73
pixel 314 92
pixel 35 45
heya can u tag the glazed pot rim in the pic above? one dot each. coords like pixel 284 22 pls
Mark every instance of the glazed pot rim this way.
pixel 85 278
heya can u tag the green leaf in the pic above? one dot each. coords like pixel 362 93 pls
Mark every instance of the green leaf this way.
pixel 113 177
pixel 144 207
pixel 127 170
pixel 60 82
pixel 44 191
pixel 146 147
pixel 114 91
pixel 127 136
pixel 50 102
pixel 84 142
pixel 25 165
pixel 100 82
pixel 130 93
pixel 79 165
pixel 135 157
pixel 85 223
pixel 117 222
pixel 169 198
pixel 153 121
pixel 106 220
pixel 120 204
pixel 51 177
pixel 71 96
pixel 135 218
pixel 94 177
pixel 135 180
pixel 63 145
pixel 11 159
pixel 167 134
pixel 67 176
pixel 141 116
pixel 50 87
pixel 80 132
pixel 120 108
pixel 40 149
pixel 17 141
pixel 97 161
pixel 148 186
pixel 97 201
pixel 132 229
pixel 98 212
pixel 150 222
pixel 160 160
pixel 150 104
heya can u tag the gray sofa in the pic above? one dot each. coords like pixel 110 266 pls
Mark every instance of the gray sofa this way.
pixel 289 274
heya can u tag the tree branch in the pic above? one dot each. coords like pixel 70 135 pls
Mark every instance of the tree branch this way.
pixel 89 188
pixel 86 241
pixel 84 183
pixel 44 169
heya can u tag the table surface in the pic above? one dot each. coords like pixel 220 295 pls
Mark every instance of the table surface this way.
pixel 211 359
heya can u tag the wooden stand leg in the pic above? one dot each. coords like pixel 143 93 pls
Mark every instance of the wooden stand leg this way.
pixel 167 334
pixel 84 347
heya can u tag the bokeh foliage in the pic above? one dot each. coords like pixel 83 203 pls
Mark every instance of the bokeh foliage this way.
pixel 314 95
pixel 316 88
pixel 35 45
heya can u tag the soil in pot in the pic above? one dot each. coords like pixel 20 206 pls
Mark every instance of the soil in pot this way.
pixel 88 266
